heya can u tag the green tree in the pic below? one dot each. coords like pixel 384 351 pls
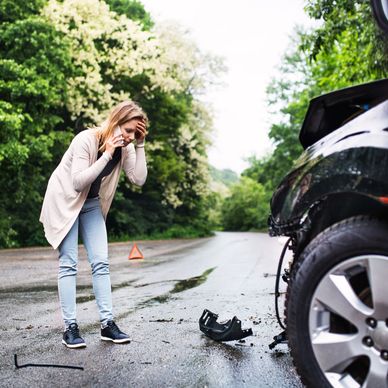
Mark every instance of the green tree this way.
pixel 134 10
pixel 34 65
pixel 11 11
pixel 346 17
pixel 247 207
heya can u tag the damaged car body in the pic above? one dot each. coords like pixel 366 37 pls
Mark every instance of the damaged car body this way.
pixel 333 207
pixel 341 173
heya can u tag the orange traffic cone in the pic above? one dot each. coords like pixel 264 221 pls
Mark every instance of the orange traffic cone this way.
pixel 135 253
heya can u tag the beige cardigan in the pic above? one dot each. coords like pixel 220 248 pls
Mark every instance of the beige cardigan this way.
pixel 70 182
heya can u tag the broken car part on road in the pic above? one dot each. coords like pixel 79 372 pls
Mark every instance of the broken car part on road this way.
pixel 224 331
pixel 18 366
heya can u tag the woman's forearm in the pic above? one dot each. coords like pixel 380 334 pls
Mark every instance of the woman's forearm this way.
pixel 82 174
pixel 135 166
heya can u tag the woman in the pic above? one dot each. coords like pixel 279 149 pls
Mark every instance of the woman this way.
pixel 79 194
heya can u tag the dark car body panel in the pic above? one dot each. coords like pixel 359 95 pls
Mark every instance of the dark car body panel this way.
pixel 352 159
pixel 329 112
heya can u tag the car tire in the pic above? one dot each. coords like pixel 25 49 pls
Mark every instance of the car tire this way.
pixel 337 306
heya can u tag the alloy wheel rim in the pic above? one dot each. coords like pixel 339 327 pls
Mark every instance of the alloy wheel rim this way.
pixel 348 323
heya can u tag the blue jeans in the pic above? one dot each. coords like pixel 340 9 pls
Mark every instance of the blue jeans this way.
pixel 91 224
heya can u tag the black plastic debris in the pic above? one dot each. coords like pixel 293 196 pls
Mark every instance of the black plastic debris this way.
pixel 279 339
pixel 18 366
pixel 223 331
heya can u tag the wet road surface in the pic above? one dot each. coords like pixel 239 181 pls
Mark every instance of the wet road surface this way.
pixel 158 301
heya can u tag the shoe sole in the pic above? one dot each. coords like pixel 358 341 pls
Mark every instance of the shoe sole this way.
pixel 83 345
pixel 117 341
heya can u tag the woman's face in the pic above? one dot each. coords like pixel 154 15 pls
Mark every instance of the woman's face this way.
pixel 128 130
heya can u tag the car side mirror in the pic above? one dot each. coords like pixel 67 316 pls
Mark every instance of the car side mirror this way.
pixel 380 12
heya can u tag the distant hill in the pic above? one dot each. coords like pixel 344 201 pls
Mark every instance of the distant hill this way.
pixel 227 176
pixel 221 180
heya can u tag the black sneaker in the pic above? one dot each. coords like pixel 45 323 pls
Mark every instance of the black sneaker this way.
pixel 112 333
pixel 71 337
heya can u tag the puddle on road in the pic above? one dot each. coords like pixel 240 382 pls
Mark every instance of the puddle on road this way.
pixel 180 286
pixel 153 283
pixel 149 302
pixel 40 288
pixel 53 288
pixel 124 284
pixel 84 298
pixel 196 281
pixel 89 297
pixel 161 298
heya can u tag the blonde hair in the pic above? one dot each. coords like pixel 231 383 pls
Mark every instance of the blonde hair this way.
pixel 123 112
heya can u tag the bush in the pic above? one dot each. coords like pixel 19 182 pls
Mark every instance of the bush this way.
pixel 247 207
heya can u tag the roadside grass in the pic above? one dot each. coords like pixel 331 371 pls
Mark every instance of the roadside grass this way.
pixel 173 232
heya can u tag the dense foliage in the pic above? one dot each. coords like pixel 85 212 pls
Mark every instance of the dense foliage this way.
pixel 346 49
pixel 34 66
pixel 64 64
pixel 246 207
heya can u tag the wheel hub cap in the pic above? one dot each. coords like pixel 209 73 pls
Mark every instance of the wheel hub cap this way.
pixel 348 323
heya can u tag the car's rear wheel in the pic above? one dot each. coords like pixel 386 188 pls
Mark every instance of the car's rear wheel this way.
pixel 337 306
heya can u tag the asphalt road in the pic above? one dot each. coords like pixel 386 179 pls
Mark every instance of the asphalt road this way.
pixel 158 301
